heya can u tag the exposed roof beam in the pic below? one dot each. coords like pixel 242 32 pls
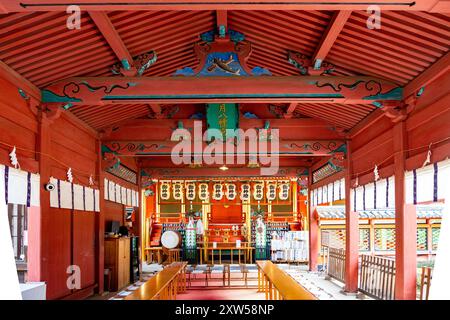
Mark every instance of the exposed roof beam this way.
pixel 112 5
pixel 16 79
pixel 433 72
pixel 286 89
pixel 222 21
pixel 290 110
pixel 111 35
pixel 330 35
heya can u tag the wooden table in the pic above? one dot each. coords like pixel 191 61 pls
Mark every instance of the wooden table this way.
pixel 151 252
pixel 164 285
pixel 278 285
pixel 248 253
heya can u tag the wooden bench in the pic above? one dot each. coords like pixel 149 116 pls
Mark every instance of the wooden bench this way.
pixel 278 285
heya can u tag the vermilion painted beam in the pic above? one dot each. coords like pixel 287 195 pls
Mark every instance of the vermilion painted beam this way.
pixel 16 79
pixel 330 35
pixel 111 35
pixel 439 68
pixel 181 89
pixel 286 148
pixel 222 19
pixel 60 5
pixel 211 173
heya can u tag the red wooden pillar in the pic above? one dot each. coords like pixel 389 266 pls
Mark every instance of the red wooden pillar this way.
pixel 405 223
pixel 100 224
pixel 313 230
pixel 43 147
pixel 351 231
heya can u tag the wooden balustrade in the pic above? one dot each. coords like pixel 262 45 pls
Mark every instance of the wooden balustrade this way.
pixel 277 285
pixel 336 264
pixel 377 277
pixel 425 282
pixel 165 285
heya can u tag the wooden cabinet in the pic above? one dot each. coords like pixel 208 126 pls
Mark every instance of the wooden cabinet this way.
pixel 117 259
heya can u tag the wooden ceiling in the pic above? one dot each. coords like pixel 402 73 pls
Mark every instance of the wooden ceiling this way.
pixel 38 46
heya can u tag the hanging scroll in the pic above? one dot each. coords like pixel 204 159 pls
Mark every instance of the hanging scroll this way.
pixel 217 191
pixel 245 192
pixel 203 192
pixel 231 191
pixel 258 191
pixel 165 191
pixel 284 191
pixel 190 191
pixel 271 191
pixel 177 190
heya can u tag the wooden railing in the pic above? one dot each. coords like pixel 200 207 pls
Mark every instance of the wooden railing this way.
pixel 164 286
pixel 278 285
pixel 425 282
pixel 377 277
pixel 336 264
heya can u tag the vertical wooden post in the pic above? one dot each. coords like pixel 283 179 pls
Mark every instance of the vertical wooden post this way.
pixel 100 224
pixel 313 229
pixel 43 148
pixel 351 231
pixel 405 223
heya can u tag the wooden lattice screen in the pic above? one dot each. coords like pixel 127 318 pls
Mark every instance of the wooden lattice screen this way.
pixel 377 277
pixel 336 263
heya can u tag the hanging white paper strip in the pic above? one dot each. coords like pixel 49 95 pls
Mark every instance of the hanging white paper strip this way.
pixel 17 186
pixel 425 184
pixel 35 192
pixel 89 199
pixel 65 194
pixel 105 189
pixel 409 189
pixel 97 200
pixel 78 200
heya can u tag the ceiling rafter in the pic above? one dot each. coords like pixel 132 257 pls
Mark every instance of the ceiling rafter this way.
pixel 113 38
pixel 330 35
pixel 9 74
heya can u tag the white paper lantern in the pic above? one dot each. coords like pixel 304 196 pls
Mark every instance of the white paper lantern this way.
pixel 203 192
pixel 271 191
pixel 217 191
pixel 177 190
pixel 284 191
pixel 231 191
pixel 165 190
pixel 190 191
pixel 245 192
pixel 258 191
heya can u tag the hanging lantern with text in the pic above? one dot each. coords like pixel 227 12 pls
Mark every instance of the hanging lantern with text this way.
pixel 258 191
pixel 231 191
pixel 190 191
pixel 203 192
pixel 245 192
pixel 165 190
pixel 271 191
pixel 177 190
pixel 217 191
pixel 284 191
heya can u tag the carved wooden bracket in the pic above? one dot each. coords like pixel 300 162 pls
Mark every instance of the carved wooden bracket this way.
pixel 306 65
pixel 51 111
pixel 140 64
pixel 399 110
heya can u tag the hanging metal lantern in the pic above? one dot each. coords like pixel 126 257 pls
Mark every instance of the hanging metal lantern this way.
pixel 203 192
pixel 231 191
pixel 165 190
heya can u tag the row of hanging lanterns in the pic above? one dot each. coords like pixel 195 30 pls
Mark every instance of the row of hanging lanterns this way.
pixel 229 190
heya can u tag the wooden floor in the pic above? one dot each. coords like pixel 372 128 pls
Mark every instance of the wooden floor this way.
pixel 221 294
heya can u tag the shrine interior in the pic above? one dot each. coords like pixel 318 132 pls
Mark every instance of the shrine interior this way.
pixel 199 150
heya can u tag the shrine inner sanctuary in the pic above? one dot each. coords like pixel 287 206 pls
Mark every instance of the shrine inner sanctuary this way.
pixel 224 150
